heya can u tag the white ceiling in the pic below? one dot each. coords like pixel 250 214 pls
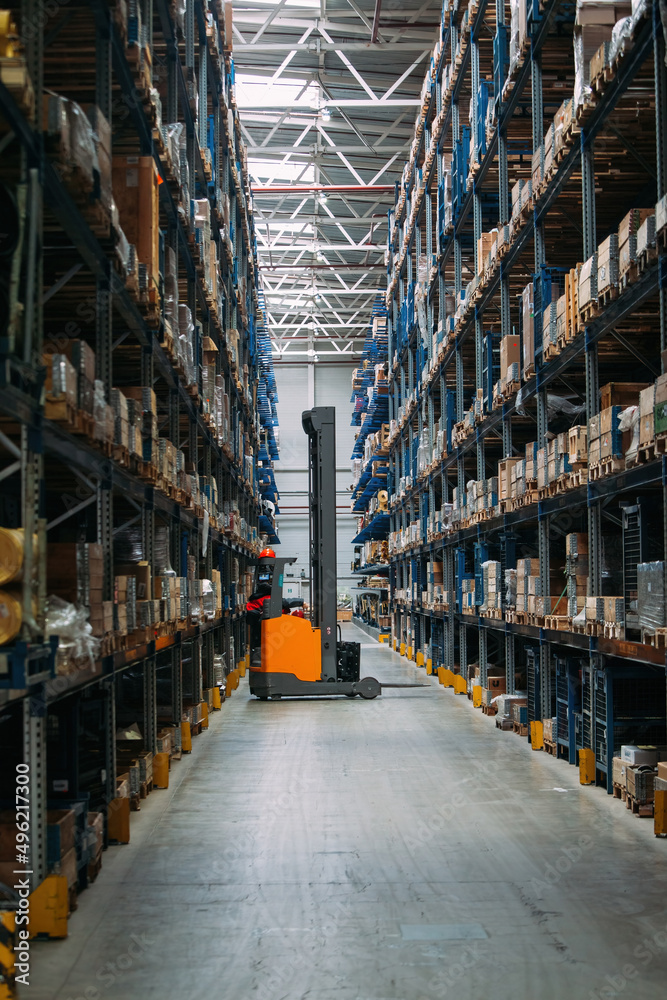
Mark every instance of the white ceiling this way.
pixel 322 105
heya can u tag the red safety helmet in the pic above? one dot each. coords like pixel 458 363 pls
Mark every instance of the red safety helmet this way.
pixel 267 554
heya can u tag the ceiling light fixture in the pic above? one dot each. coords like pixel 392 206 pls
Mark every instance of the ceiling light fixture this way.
pixel 326 115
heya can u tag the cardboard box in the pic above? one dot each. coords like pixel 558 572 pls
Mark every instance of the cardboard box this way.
pixel 601 12
pixel 135 191
pixel 141 571
pixel 61 379
pixel 627 237
pixel 620 394
pixel 549 729
pixel 143 395
pixel 646 415
pixel 578 444
pixel 484 244
pixel 528 327
pixel 636 756
pixel 608 263
pixel 102 139
pixel 639 782
pixel 60 833
pixel 588 281
pixel 510 353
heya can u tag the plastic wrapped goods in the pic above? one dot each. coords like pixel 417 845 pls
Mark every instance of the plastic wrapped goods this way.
pixel 11 614
pixel 76 642
pixel 651 595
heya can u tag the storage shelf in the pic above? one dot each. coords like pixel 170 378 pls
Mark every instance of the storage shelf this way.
pixel 445 371
pixel 195 508
pixel 374 530
pixel 371 570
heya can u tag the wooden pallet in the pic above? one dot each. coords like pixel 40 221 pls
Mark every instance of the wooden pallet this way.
pixel 591 628
pixel 520 728
pixel 511 389
pixel 656 638
pixel 504 722
pixel 611 630
pixel 121 455
pixel 578 477
pixel 145 788
pixel 94 868
pixel 646 452
pixel 646 259
pixel 627 277
pixel 489 710
pixel 557 623
pixel 495 613
pixel 607 467
pixel 641 809
pixel 61 411
pixel 607 295
pixel 619 791
pixel 529 497
pixel 550 747
pixel 589 312
pixel 552 350
pixel 602 78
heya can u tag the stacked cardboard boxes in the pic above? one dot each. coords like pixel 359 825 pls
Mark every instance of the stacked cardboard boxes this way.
pixel 75 573
pixel 492 583
pixel 135 191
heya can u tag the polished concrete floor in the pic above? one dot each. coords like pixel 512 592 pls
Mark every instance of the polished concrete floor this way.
pixel 397 849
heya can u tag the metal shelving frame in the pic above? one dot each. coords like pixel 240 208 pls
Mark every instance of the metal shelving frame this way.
pixel 474 48
pixel 369 413
pixel 107 496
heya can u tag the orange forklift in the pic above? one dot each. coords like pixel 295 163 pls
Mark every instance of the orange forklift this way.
pixel 297 657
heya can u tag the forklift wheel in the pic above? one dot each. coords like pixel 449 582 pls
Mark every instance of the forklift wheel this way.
pixel 368 687
pixel 351 694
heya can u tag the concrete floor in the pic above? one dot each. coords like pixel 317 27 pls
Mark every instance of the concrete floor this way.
pixel 398 849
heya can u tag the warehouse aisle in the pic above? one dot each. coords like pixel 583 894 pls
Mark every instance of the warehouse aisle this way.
pixel 401 849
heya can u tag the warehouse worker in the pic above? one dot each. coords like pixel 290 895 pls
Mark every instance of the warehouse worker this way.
pixel 255 605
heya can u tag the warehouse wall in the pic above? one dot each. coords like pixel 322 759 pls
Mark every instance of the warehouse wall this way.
pixel 300 387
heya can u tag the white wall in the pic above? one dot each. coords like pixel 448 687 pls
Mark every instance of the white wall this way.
pixel 300 387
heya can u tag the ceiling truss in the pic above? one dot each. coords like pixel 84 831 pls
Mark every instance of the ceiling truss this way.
pixel 327 95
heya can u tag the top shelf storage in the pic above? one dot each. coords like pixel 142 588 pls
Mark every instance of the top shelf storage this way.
pixel 136 381
pixel 526 269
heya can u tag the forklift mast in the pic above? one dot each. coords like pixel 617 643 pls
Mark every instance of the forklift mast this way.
pixel 320 426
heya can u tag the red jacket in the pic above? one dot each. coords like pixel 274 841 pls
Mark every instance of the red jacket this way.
pixel 257 603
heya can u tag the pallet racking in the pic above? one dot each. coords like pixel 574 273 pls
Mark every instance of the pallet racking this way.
pixel 370 457
pixel 177 322
pixel 529 154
